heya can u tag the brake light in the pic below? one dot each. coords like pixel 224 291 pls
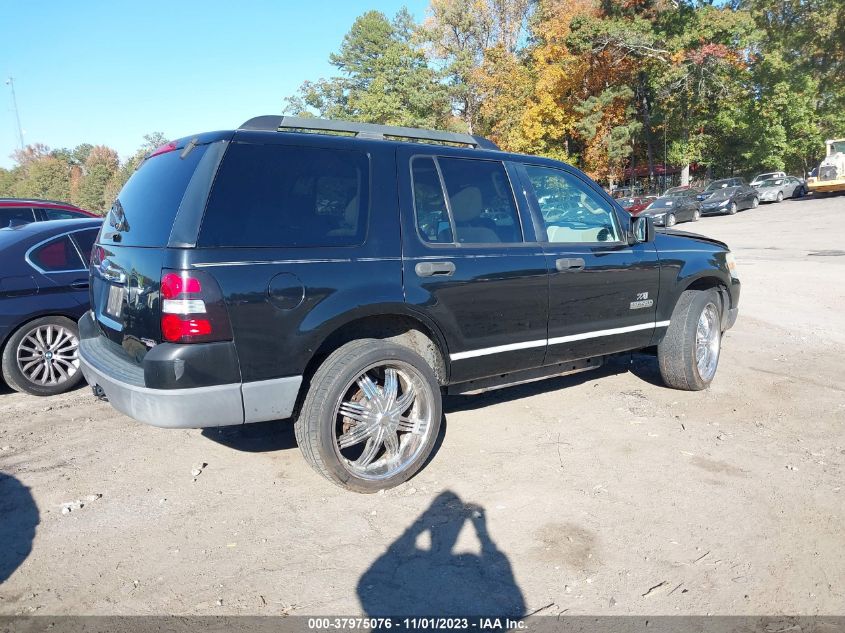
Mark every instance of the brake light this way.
pixel 174 329
pixel 173 285
pixel 192 308
pixel 163 149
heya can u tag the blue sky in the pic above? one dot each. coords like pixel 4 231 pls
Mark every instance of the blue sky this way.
pixel 108 72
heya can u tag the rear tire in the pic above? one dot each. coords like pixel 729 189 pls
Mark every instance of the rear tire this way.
pixel 688 355
pixel 696 216
pixel 756 202
pixel 351 429
pixel 42 357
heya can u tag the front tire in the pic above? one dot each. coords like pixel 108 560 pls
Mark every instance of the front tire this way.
pixel 696 215
pixel 371 416
pixel 780 196
pixel 42 357
pixel 732 208
pixel 755 202
pixel 671 220
pixel 688 355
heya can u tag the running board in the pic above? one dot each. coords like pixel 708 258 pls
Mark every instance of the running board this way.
pixel 521 377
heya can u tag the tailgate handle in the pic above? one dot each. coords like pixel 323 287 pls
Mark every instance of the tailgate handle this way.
pixel 570 264
pixel 435 269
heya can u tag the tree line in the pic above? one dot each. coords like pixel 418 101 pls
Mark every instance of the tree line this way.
pixel 89 176
pixel 616 87
pixel 720 88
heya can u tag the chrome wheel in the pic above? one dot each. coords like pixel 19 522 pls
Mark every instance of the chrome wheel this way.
pixel 707 342
pixel 780 196
pixel 383 420
pixel 671 220
pixel 48 355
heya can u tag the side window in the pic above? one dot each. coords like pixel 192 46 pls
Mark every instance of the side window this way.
pixel 61 214
pixel 429 203
pixel 57 255
pixel 572 213
pixel 85 241
pixel 15 216
pixel 481 200
pixel 288 196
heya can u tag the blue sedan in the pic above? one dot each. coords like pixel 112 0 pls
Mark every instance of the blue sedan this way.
pixel 43 292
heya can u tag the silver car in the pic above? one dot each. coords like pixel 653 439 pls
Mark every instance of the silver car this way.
pixel 776 189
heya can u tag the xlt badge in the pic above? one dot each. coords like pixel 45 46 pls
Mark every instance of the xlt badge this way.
pixel 642 301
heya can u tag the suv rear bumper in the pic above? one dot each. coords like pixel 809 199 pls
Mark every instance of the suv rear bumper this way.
pixel 124 385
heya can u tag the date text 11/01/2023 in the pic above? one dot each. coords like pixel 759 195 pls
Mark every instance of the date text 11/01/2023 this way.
pixel 415 623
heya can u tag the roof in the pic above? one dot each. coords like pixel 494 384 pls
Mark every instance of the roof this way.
pixel 6 202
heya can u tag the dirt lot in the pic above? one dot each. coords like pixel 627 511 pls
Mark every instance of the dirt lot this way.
pixel 603 493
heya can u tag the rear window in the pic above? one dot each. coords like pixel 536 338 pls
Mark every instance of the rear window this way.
pixel 145 208
pixel 62 214
pixel 288 196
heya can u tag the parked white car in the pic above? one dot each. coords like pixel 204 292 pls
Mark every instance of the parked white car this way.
pixel 759 178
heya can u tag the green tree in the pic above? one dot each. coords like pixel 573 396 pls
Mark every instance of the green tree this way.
pixel 384 78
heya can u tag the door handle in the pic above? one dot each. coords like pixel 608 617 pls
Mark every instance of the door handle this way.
pixel 435 269
pixel 570 264
pixel 80 284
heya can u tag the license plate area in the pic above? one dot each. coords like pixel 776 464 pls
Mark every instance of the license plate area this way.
pixel 114 302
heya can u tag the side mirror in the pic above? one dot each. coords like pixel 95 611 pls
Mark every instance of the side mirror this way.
pixel 642 229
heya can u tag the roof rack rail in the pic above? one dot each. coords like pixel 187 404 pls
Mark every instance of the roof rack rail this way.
pixel 275 123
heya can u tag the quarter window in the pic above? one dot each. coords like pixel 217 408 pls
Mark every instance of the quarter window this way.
pixel 57 255
pixel 288 196
pixel 572 213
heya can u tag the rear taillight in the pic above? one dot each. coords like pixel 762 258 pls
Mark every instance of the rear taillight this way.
pixel 192 308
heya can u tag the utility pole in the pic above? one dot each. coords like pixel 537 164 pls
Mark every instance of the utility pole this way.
pixel 11 83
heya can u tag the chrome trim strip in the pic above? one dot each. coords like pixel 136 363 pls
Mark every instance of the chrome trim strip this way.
pixel 555 341
pixel 296 261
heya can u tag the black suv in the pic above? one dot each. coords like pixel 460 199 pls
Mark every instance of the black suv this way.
pixel 347 274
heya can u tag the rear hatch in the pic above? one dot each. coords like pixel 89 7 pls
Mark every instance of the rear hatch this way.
pixel 148 230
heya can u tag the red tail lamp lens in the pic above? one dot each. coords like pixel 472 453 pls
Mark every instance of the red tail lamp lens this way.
pixel 173 285
pixel 175 329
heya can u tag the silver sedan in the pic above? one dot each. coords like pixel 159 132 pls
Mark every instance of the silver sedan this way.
pixel 776 189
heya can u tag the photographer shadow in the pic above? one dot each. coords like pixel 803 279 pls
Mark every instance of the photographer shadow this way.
pixel 410 580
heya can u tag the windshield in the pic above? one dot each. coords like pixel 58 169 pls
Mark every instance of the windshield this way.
pixel 762 177
pixel 627 202
pixel 838 146
pixel 718 184
pixel 677 194
pixel 773 182
pixel 662 203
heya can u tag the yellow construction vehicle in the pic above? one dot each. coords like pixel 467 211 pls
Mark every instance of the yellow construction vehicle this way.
pixel 830 175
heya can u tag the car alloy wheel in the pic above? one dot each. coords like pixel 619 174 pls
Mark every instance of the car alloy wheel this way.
pixel 780 196
pixel 707 342
pixel 732 208
pixel 696 216
pixel 383 420
pixel 48 355
pixel 671 220
pixel 756 202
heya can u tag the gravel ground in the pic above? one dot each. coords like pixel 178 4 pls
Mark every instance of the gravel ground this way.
pixel 601 493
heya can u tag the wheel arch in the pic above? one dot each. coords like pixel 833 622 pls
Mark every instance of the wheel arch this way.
pixel 397 325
